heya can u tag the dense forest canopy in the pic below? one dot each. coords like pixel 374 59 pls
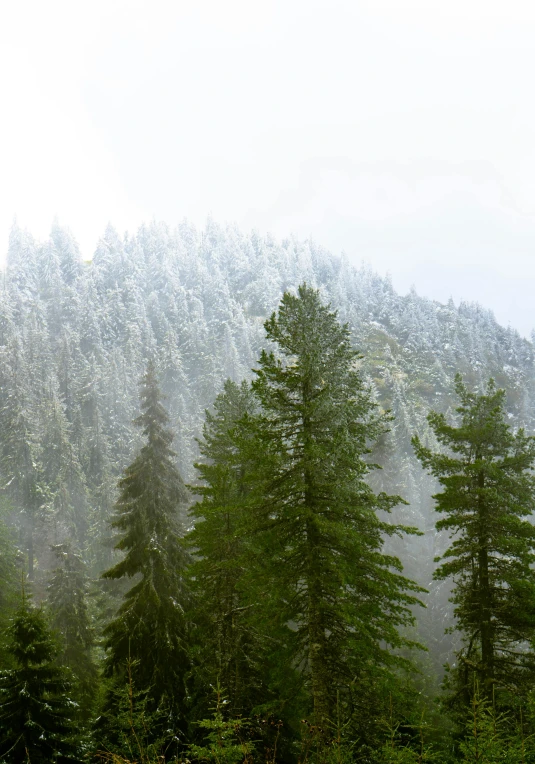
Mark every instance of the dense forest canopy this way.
pixel 77 337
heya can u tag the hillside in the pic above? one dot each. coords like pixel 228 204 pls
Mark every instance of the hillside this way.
pixel 75 337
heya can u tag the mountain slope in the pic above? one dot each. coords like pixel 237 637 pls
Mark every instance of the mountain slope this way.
pixel 75 337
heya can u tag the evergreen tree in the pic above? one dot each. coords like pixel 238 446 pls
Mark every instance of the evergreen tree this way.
pixel 149 630
pixel 487 497
pixel 490 737
pixel 227 741
pixel 69 615
pixel 20 450
pixel 8 580
pixel 319 569
pixel 35 708
pixel 226 649
pixel 63 475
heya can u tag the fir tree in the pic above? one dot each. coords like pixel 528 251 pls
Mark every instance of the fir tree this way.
pixel 227 741
pixel 20 449
pixel 8 580
pixel 69 615
pixel 319 569
pixel 487 497
pixel 226 649
pixel 35 709
pixel 149 630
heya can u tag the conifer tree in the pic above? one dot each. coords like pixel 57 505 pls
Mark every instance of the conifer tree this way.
pixel 149 630
pixel 69 615
pixel 487 498
pixel 20 450
pixel 226 649
pixel 8 581
pixel 319 569
pixel 35 708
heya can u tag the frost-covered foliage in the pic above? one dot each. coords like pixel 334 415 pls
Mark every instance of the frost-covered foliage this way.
pixel 75 337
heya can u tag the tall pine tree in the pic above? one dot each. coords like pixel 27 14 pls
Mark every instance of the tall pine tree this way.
pixel 9 556
pixel 487 498
pixel 227 650
pixel 149 630
pixel 318 568
pixel 69 615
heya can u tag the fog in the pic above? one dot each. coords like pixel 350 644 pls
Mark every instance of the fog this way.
pixel 398 132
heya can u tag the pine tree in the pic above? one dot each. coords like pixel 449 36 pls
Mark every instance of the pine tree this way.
pixel 226 649
pixel 319 569
pixel 63 475
pixel 8 579
pixel 487 497
pixel 35 708
pixel 69 616
pixel 149 630
pixel 20 450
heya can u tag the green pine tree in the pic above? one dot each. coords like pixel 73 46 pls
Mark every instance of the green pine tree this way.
pixel 69 615
pixel 227 651
pixel 226 741
pixel 336 601
pixel 149 630
pixel 487 498
pixel 491 737
pixel 9 557
pixel 36 711
pixel 20 451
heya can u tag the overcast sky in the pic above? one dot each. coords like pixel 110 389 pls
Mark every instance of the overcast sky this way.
pixel 399 131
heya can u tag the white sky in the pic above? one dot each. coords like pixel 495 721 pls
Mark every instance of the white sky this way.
pixel 401 131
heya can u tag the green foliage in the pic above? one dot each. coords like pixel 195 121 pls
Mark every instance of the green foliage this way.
pixel 130 733
pixel 70 616
pixel 406 743
pixel 9 559
pixel 36 711
pixel 335 603
pixel 488 495
pixel 150 628
pixel 20 451
pixel 226 649
pixel 490 737
pixel 227 740
pixel 73 339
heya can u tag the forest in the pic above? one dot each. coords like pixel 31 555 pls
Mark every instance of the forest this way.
pixel 255 506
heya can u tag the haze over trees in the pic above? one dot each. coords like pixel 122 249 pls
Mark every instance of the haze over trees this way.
pixel 487 501
pixel 145 642
pixel 273 603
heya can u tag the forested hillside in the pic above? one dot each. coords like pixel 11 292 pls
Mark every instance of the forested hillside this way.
pixel 76 337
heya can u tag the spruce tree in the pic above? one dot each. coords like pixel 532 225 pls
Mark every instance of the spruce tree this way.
pixel 227 652
pixel 149 630
pixel 319 571
pixel 487 498
pixel 20 450
pixel 69 615
pixel 9 556
pixel 36 711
